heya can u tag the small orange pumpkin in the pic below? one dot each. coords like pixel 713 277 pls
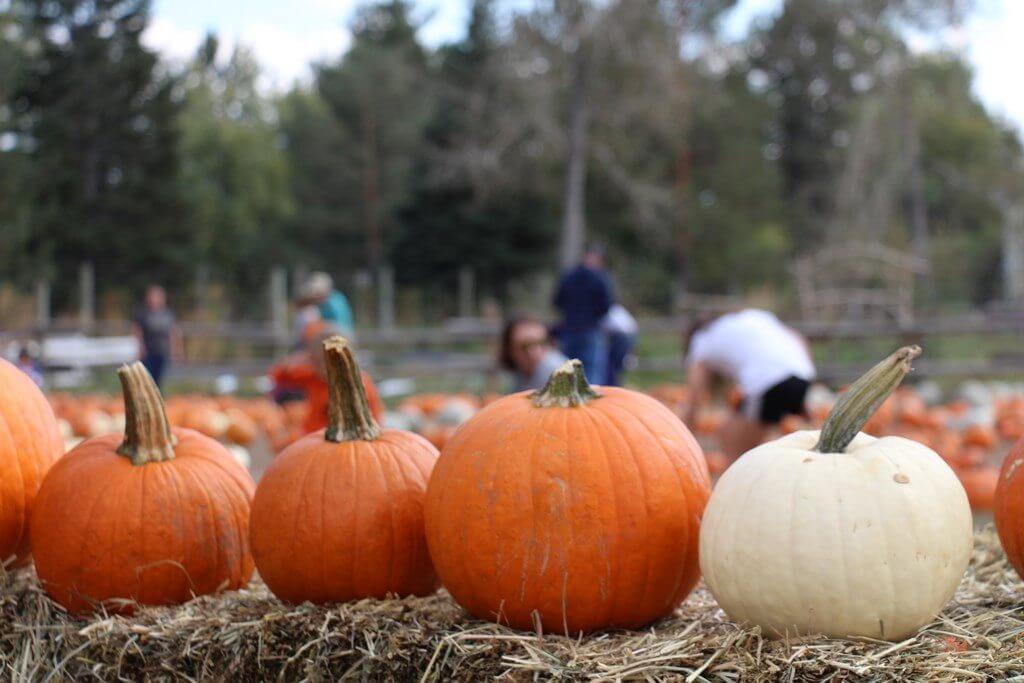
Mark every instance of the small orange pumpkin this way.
pixel 980 435
pixel 1009 507
pixel 980 483
pixel 154 517
pixel 572 508
pixel 339 514
pixel 32 442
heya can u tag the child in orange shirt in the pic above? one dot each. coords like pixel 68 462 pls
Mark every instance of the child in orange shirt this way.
pixel 304 370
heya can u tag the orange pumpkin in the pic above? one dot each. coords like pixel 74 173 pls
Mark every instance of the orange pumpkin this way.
pixel 980 435
pixel 570 508
pixel 31 444
pixel 1008 509
pixel 339 514
pixel 980 484
pixel 717 462
pixel 154 518
pixel 241 428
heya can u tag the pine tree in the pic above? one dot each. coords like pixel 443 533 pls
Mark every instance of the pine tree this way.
pixel 478 200
pixel 101 119
pixel 380 96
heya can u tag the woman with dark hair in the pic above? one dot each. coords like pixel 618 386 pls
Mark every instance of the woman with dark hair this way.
pixel 769 363
pixel 526 351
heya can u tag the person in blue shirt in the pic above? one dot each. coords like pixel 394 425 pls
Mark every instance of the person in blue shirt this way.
pixel 332 304
pixel 584 296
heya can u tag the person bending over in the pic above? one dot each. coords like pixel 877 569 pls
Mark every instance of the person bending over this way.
pixel 768 362
pixel 526 351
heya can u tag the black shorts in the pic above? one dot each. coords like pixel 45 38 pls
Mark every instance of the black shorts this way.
pixel 785 398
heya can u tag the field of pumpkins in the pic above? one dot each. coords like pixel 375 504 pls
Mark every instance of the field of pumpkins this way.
pixel 562 533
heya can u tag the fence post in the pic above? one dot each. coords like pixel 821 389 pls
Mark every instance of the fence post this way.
pixel 42 304
pixel 202 286
pixel 467 292
pixel 385 297
pixel 279 307
pixel 86 296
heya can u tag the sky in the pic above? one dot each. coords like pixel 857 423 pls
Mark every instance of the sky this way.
pixel 288 36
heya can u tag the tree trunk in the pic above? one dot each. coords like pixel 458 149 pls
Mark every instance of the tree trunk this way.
pixel 574 218
pixel 1013 251
pixel 682 241
pixel 371 192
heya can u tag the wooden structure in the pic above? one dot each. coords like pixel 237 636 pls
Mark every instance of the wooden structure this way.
pixel 858 281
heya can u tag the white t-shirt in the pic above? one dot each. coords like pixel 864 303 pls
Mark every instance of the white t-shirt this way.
pixel 753 348
pixel 618 320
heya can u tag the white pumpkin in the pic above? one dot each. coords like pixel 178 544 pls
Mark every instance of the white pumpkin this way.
pixel 869 541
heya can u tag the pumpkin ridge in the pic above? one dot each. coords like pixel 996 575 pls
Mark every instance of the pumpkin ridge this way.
pixel 612 611
pixel 208 468
pixel 460 556
pixel 608 409
pixel 419 482
pixel 172 480
pixel 389 492
pixel 647 508
pixel 529 478
pixel 17 449
pixel 186 468
pixel 225 467
pixel 299 520
pixel 21 510
pixel 86 529
pixel 669 457
pixel 236 569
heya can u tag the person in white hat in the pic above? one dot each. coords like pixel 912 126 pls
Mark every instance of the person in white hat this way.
pixel 333 305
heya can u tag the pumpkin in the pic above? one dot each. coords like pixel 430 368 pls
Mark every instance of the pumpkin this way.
pixel 32 442
pixel 154 517
pixel 572 508
pixel 837 532
pixel 980 435
pixel 980 483
pixel 338 515
pixel 1008 508
pixel 241 429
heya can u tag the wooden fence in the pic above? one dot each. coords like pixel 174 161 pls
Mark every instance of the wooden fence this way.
pixel 460 349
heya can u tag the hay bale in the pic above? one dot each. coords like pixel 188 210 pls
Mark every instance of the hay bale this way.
pixel 248 635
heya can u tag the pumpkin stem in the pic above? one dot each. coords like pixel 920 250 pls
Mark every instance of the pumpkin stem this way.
pixel 147 433
pixel 348 413
pixel 857 404
pixel 566 388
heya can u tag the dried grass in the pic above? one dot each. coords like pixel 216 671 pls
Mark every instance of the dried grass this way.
pixel 248 635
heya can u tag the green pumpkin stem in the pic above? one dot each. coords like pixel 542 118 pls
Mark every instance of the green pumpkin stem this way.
pixel 566 388
pixel 348 414
pixel 147 433
pixel 858 403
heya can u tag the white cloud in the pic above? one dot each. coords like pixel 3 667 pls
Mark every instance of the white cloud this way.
pixel 285 55
pixel 993 45
pixel 174 42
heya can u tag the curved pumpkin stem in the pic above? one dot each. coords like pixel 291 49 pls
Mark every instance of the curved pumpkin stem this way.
pixel 859 402
pixel 147 432
pixel 348 414
pixel 566 388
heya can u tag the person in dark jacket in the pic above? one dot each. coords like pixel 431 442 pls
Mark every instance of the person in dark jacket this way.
pixel 584 297
pixel 157 333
